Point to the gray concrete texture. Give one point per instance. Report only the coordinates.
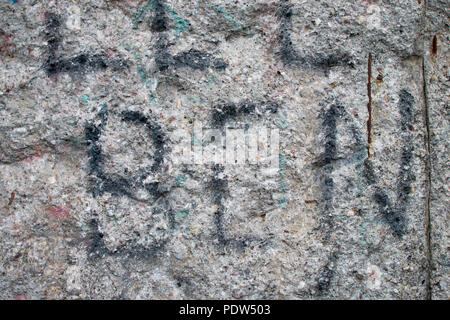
(94, 205)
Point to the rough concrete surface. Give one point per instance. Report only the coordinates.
(95, 97)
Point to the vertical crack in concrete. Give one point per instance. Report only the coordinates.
(428, 184)
(369, 104)
(428, 289)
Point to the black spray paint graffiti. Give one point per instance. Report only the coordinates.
(326, 274)
(132, 249)
(125, 186)
(290, 57)
(80, 63)
(192, 58)
(159, 21)
(228, 111)
(200, 60)
(329, 116)
(120, 185)
(393, 214)
(117, 185)
(222, 113)
(331, 112)
(219, 188)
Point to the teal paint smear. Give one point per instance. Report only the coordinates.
(152, 98)
(181, 24)
(180, 179)
(282, 123)
(141, 71)
(282, 201)
(211, 79)
(227, 17)
(181, 214)
(143, 76)
(362, 228)
(140, 14)
(197, 141)
(85, 98)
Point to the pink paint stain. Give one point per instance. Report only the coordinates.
(38, 153)
(59, 212)
(42, 14)
(20, 297)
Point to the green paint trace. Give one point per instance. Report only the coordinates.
(180, 179)
(141, 70)
(282, 201)
(227, 17)
(197, 141)
(181, 214)
(282, 123)
(211, 79)
(85, 98)
(181, 24)
(152, 98)
(140, 14)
